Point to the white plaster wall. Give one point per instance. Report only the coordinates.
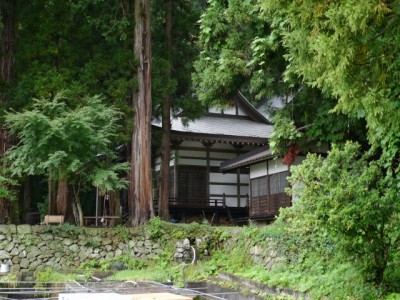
(298, 160)
(232, 202)
(241, 112)
(276, 166)
(258, 170)
(191, 144)
(220, 189)
(248, 148)
(222, 146)
(244, 190)
(230, 111)
(244, 178)
(219, 177)
(214, 110)
(223, 156)
(215, 163)
(157, 166)
(192, 162)
(192, 153)
(243, 202)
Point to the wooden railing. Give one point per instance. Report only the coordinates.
(198, 202)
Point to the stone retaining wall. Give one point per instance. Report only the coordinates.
(26, 247)
(261, 253)
(266, 254)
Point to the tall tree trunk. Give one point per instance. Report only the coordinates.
(163, 210)
(115, 207)
(62, 197)
(7, 46)
(7, 50)
(52, 187)
(140, 197)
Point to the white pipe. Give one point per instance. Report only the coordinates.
(194, 255)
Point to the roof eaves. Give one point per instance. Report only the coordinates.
(252, 110)
(238, 140)
(247, 159)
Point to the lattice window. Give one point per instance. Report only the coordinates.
(192, 183)
(268, 194)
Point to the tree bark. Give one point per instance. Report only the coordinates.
(7, 51)
(163, 209)
(62, 197)
(77, 207)
(52, 187)
(115, 207)
(140, 196)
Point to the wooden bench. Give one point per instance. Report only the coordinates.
(53, 219)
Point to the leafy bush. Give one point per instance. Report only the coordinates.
(350, 200)
(122, 233)
(155, 226)
(65, 229)
(96, 265)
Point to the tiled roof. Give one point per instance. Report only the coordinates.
(225, 126)
(247, 159)
(222, 128)
(248, 127)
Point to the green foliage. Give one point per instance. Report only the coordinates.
(349, 197)
(314, 262)
(349, 51)
(128, 263)
(344, 48)
(159, 228)
(221, 235)
(90, 242)
(43, 207)
(171, 72)
(61, 141)
(31, 240)
(43, 276)
(156, 226)
(96, 265)
(54, 137)
(226, 62)
(153, 273)
(12, 279)
(7, 188)
(65, 229)
(241, 49)
(121, 233)
(107, 176)
(284, 135)
(82, 46)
